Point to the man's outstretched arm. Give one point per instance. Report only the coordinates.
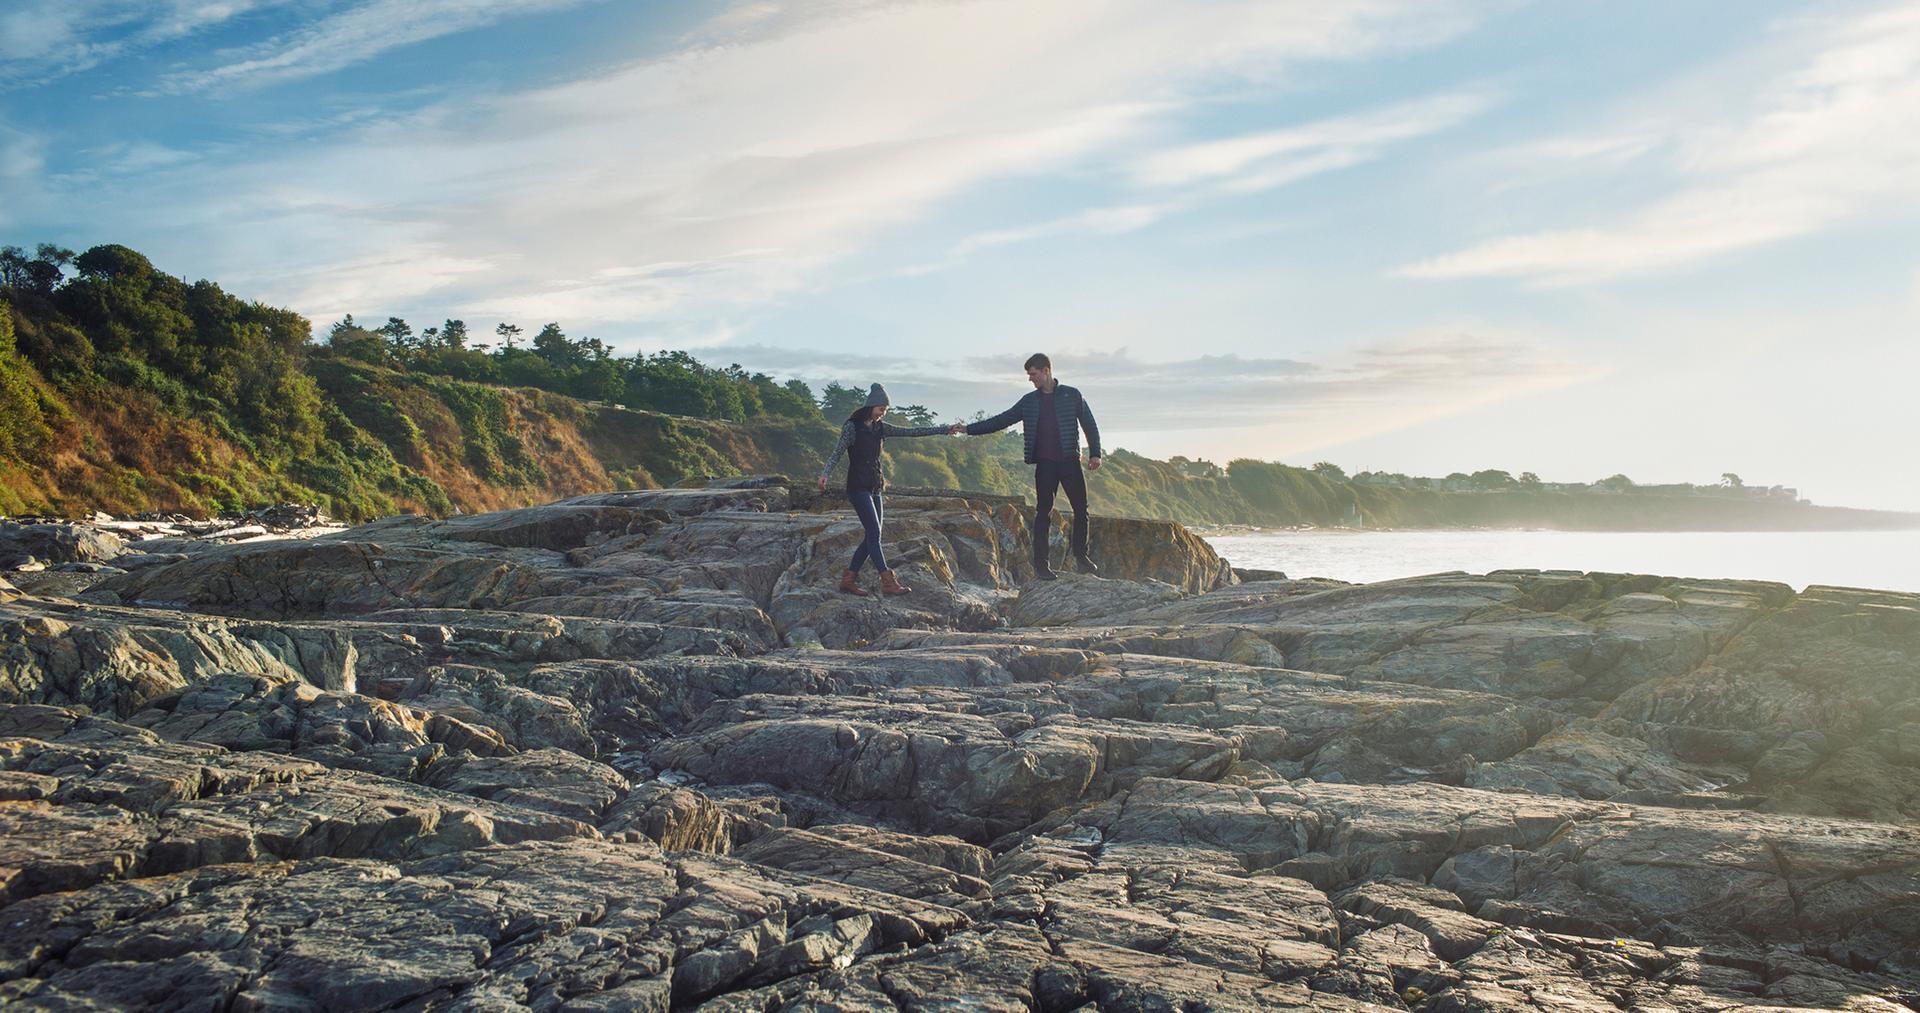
(995, 424)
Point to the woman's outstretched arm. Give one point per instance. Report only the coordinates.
(889, 429)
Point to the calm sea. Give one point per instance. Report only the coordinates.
(1888, 560)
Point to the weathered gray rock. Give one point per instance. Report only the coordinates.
(548, 780)
(1829, 678)
(115, 660)
(844, 858)
(57, 542)
(333, 576)
(1590, 759)
(344, 730)
(934, 763)
(681, 819)
(1075, 600)
(1200, 642)
(107, 801)
(634, 751)
(533, 924)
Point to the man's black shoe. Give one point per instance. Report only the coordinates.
(1044, 572)
(1085, 564)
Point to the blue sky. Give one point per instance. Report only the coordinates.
(1578, 238)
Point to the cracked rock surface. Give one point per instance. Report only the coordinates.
(632, 751)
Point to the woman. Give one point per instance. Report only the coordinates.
(862, 435)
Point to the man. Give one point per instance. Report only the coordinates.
(1050, 418)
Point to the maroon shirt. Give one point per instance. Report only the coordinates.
(1046, 438)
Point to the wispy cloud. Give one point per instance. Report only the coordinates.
(1270, 158)
(1226, 167)
(384, 278)
(137, 156)
(22, 158)
(1102, 221)
(1821, 144)
(764, 149)
(353, 36)
(45, 39)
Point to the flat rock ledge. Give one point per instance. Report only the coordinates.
(632, 751)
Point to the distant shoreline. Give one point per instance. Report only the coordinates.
(1874, 559)
(1232, 530)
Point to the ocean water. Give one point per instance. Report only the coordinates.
(1887, 560)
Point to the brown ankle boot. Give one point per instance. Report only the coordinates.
(848, 585)
(891, 584)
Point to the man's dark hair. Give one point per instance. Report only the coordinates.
(1038, 360)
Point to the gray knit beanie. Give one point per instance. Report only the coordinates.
(877, 396)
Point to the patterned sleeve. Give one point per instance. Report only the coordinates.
(846, 440)
(889, 429)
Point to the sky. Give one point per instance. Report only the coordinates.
(1664, 238)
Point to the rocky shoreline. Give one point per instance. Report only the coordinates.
(631, 751)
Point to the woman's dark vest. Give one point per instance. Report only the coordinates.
(863, 459)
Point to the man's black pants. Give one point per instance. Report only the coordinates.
(1049, 476)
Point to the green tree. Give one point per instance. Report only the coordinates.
(13, 268)
(1330, 470)
(289, 331)
(1529, 479)
(509, 334)
(668, 382)
(601, 380)
(521, 368)
(1615, 483)
(915, 415)
(349, 339)
(399, 335)
(39, 274)
(791, 400)
(552, 345)
(838, 401)
(124, 305)
(1492, 478)
(453, 334)
(1731, 480)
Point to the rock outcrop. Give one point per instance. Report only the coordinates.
(633, 751)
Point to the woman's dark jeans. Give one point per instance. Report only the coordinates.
(867, 504)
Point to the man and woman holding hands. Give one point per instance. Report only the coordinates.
(1051, 417)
